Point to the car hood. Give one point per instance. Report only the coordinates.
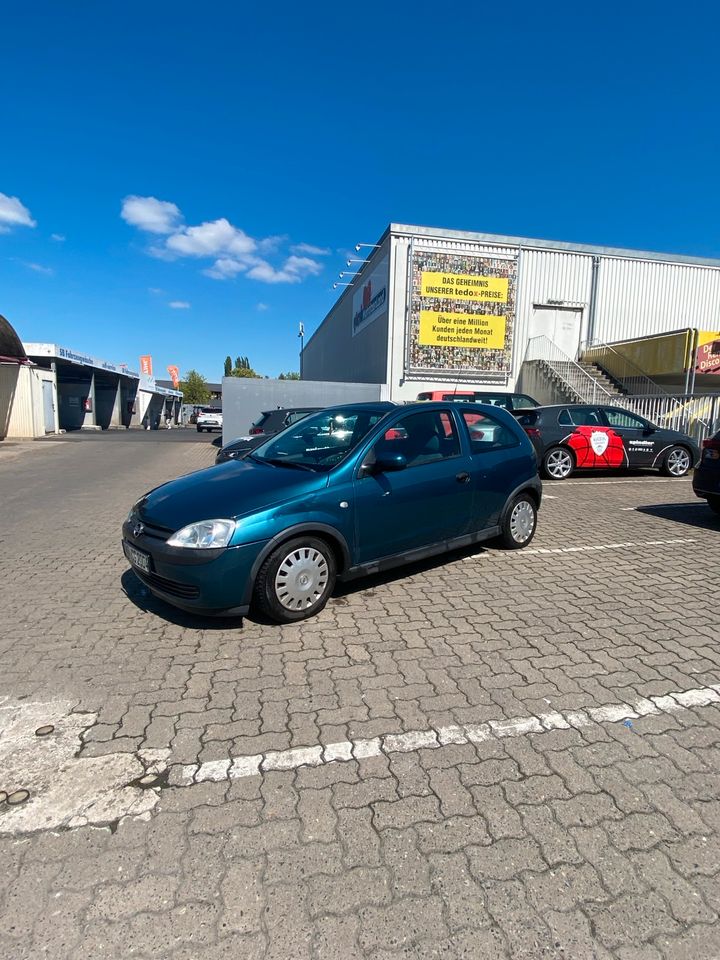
(229, 490)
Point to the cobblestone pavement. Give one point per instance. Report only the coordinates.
(509, 755)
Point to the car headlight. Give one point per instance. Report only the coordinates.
(205, 535)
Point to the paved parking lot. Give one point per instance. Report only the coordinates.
(503, 755)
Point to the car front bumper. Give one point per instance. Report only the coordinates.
(206, 582)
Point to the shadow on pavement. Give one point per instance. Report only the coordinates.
(695, 513)
(136, 591)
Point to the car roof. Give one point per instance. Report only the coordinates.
(579, 406)
(266, 413)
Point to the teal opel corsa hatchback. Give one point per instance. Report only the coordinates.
(350, 490)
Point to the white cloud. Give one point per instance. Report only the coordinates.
(232, 250)
(155, 290)
(262, 307)
(58, 237)
(13, 213)
(150, 214)
(179, 305)
(38, 268)
(209, 239)
(225, 268)
(292, 271)
(311, 250)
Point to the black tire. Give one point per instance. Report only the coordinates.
(677, 462)
(714, 504)
(313, 559)
(199, 429)
(558, 463)
(519, 523)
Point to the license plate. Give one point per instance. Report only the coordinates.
(137, 558)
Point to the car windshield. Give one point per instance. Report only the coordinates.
(319, 441)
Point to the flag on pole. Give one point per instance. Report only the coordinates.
(146, 365)
(174, 375)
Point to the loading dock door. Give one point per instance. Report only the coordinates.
(48, 406)
(561, 325)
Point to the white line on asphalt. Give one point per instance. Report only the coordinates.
(249, 766)
(634, 480)
(546, 551)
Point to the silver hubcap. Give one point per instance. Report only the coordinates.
(301, 579)
(522, 521)
(559, 464)
(678, 462)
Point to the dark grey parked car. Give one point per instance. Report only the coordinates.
(268, 423)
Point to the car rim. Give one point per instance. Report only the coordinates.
(559, 464)
(522, 521)
(301, 579)
(678, 462)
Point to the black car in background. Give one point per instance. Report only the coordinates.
(706, 480)
(573, 437)
(508, 401)
(268, 423)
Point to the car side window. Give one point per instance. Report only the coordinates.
(618, 418)
(421, 438)
(487, 433)
(582, 417)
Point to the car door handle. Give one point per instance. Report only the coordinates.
(462, 477)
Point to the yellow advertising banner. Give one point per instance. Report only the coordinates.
(463, 286)
(469, 330)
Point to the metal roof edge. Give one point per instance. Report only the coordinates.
(403, 229)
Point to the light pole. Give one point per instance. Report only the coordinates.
(301, 334)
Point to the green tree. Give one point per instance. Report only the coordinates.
(244, 372)
(228, 366)
(242, 363)
(291, 375)
(194, 388)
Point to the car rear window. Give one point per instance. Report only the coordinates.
(527, 418)
(211, 410)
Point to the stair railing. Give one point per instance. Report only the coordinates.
(621, 368)
(573, 377)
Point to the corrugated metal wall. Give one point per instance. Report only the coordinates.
(546, 276)
(20, 401)
(637, 298)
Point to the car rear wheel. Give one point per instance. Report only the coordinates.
(199, 429)
(296, 580)
(714, 504)
(677, 462)
(558, 463)
(519, 523)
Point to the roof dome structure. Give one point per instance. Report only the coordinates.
(11, 347)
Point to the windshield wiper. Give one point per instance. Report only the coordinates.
(280, 462)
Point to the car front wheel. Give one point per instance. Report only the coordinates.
(677, 462)
(714, 504)
(558, 463)
(519, 523)
(296, 580)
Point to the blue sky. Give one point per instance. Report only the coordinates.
(260, 142)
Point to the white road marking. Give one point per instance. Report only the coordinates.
(414, 740)
(633, 480)
(590, 548)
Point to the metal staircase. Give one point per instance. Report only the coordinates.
(580, 382)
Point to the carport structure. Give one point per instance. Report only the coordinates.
(92, 394)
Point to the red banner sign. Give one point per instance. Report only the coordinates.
(146, 365)
(174, 375)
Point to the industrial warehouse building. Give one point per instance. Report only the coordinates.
(434, 309)
(46, 388)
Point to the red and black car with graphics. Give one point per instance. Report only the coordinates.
(573, 437)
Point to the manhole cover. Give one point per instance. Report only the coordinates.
(18, 796)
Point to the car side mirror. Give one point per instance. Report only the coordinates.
(390, 463)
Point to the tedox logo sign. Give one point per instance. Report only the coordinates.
(371, 300)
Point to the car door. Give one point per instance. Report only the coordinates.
(427, 502)
(496, 462)
(637, 436)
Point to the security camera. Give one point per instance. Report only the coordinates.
(357, 247)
